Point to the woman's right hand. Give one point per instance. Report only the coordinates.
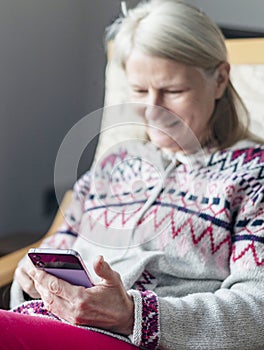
(22, 275)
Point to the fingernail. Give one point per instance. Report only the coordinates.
(100, 259)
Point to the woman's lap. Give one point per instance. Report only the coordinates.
(35, 332)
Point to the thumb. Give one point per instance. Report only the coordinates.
(103, 270)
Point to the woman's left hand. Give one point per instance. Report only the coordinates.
(107, 305)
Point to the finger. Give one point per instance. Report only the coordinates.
(46, 296)
(25, 281)
(47, 283)
(57, 305)
(48, 287)
(103, 270)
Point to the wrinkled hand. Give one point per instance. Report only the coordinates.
(106, 305)
(23, 277)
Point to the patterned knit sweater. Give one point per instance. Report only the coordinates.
(186, 234)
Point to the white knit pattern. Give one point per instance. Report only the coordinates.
(136, 336)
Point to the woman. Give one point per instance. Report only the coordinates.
(193, 276)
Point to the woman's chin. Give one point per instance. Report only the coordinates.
(187, 143)
(164, 142)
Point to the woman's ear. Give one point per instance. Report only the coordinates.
(222, 77)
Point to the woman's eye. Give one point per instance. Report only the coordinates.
(140, 91)
(174, 91)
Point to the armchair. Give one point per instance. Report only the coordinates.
(9, 262)
(247, 59)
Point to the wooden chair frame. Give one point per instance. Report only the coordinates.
(8, 263)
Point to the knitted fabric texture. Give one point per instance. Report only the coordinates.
(195, 261)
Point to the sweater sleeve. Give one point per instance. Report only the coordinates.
(231, 318)
(146, 331)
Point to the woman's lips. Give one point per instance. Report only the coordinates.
(164, 126)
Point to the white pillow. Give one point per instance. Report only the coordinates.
(249, 83)
(116, 122)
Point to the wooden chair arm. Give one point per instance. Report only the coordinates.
(8, 263)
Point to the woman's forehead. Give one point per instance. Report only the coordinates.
(141, 67)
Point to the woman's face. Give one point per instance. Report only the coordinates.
(186, 94)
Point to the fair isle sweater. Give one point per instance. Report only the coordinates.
(187, 237)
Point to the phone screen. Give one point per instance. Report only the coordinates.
(65, 266)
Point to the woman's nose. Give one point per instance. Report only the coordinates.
(152, 113)
(153, 104)
(154, 98)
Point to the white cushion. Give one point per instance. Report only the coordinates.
(249, 83)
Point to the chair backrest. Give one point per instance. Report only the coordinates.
(247, 74)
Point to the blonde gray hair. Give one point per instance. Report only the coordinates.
(175, 30)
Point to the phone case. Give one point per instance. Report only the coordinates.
(64, 264)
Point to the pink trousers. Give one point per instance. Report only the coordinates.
(25, 332)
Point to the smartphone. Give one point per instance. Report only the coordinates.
(65, 264)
